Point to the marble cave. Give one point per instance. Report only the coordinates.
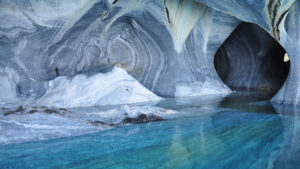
(210, 84)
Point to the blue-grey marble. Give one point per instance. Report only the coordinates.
(168, 46)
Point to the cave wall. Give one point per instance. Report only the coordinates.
(250, 59)
(140, 37)
(281, 19)
(168, 46)
(290, 92)
(269, 14)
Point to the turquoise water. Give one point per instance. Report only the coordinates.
(214, 133)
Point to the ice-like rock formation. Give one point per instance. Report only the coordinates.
(167, 45)
(115, 87)
(20, 124)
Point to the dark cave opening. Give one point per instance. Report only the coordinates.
(251, 60)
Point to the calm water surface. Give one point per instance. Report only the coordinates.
(239, 131)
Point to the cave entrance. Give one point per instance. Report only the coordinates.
(251, 60)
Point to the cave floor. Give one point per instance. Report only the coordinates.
(237, 131)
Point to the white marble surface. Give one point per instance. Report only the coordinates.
(115, 87)
(21, 124)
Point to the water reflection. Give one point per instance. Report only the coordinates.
(178, 154)
(289, 155)
(237, 131)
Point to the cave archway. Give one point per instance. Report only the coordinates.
(251, 60)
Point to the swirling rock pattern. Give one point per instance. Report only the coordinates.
(168, 46)
(281, 19)
(289, 93)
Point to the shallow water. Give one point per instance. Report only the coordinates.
(238, 131)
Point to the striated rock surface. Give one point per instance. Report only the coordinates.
(23, 123)
(168, 46)
(104, 34)
(289, 93)
(281, 19)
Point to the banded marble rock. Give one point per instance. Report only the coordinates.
(168, 46)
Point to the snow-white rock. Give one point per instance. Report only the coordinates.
(116, 87)
(21, 124)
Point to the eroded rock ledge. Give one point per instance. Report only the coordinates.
(23, 123)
